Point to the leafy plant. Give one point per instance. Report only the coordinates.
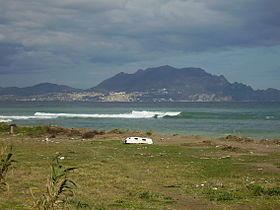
(6, 162)
(59, 188)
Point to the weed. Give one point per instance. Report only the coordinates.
(145, 195)
(256, 189)
(59, 188)
(6, 162)
(222, 195)
(273, 191)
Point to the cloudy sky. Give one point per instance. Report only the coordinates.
(81, 42)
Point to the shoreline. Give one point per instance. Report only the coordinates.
(82, 134)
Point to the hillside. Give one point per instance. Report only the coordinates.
(187, 84)
(43, 88)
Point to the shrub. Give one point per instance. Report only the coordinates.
(149, 133)
(4, 127)
(88, 135)
(92, 133)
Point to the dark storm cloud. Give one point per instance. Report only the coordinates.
(7, 52)
(66, 33)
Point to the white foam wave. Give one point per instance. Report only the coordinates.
(133, 115)
(5, 120)
(25, 117)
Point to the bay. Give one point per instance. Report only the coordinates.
(250, 119)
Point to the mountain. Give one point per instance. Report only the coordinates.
(164, 83)
(184, 84)
(43, 88)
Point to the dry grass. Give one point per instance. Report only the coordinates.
(111, 175)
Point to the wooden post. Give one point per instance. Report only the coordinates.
(12, 128)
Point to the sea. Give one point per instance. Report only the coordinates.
(250, 119)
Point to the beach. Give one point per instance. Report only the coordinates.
(176, 172)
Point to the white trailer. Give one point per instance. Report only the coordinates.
(137, 140)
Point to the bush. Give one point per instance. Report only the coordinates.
(4, 127)
(88, 135)
(149, 133)
(91, 134)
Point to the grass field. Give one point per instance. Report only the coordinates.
(111, 175)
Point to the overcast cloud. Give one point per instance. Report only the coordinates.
(81, 42)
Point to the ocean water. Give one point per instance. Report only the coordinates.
(256, 120)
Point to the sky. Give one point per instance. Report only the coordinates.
(82, 42)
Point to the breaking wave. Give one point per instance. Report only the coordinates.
(46, 115)
(8, 118)
(132, 115)
(5, 120)
(223, 116)
(145, 115)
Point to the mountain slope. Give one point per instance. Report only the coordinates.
(191, 84)
(42, 88)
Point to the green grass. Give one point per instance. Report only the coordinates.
(110, 175)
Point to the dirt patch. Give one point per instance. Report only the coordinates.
(237, 139)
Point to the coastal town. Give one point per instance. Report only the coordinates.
(156, 96)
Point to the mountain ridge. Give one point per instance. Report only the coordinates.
(163, 83)
(41, 88)
(185, 84)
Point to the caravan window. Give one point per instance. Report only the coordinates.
(136, 138)
(144, 139)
